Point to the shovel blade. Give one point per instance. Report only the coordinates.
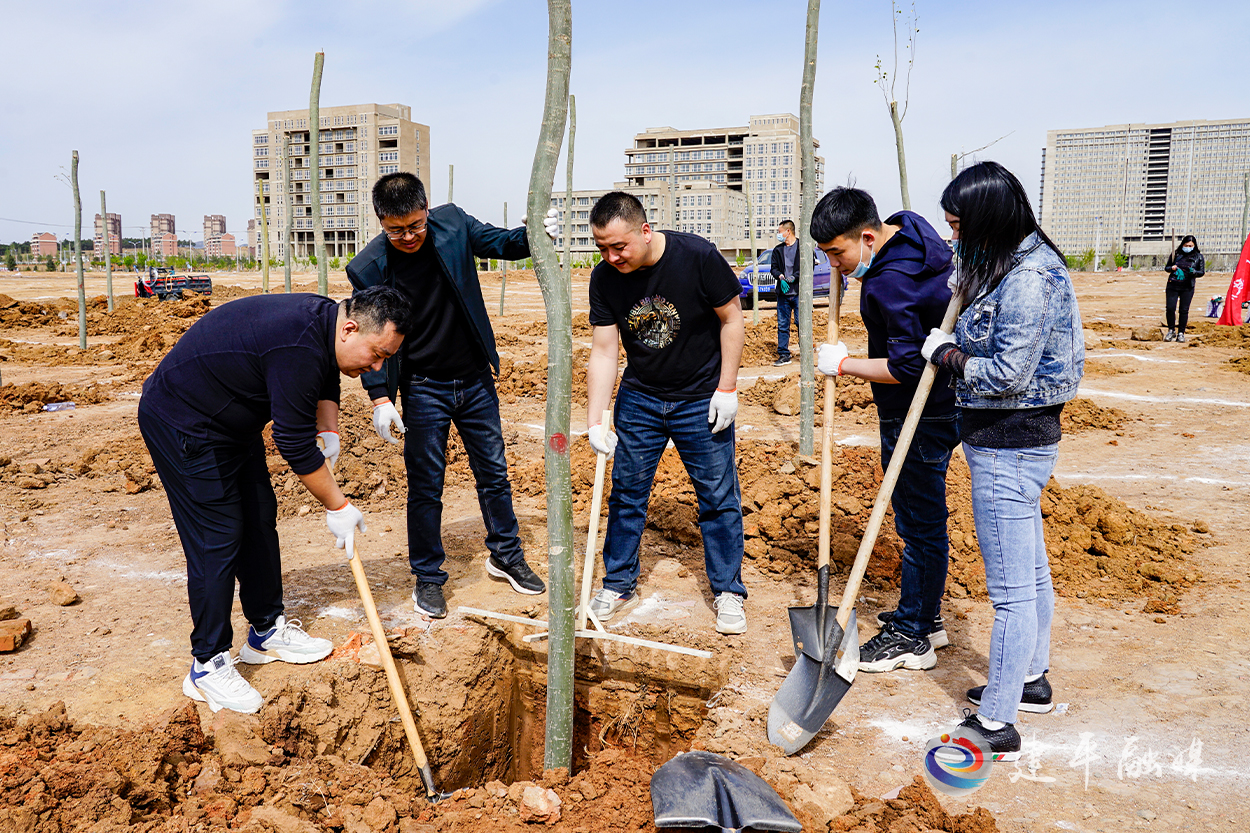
(812, 690)
(701, 789)
(805, 631)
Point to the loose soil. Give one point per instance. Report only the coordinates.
(1143, 524)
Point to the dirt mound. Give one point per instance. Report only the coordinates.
(916, 810)
(782, 395)
(761, 339)
(1083, 414)
(32, 396)
(1217, 335)
(538, 329)
(131, 315)
(528, 377)
(123, 465)
(1241, 364)
(1102, 367)
(14, 313)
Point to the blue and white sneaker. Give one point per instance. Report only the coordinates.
(217, 683)
(285, 641)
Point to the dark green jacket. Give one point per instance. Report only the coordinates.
(458, 239)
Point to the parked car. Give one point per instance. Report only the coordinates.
(768, 289)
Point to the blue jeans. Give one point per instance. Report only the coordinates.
(644, 425)
(1007, 485)
(787, 308)
(920, 515)
(430, 407)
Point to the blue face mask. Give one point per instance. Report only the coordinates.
(862, 269)
(1187, 249)
(781, 238)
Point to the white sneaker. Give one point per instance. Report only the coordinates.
(607, 603)
(730, 617)
(285, 641)
(218, 684)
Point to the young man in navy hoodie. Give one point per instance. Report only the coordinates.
(903, 266)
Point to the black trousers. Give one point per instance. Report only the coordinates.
(1182, 291)
(227, 517)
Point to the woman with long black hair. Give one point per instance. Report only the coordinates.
(1185, 266)
(1017, 355)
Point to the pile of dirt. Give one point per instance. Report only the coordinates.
(32, 396)
(916, 810)
(528, 377)
(1216, 335)
(1102, 367)
(538, 329)
(14, 313)
(1100, 548)
(131, 315)
(123, 465)
(1082, 414)
(782, 395)
(760, 348)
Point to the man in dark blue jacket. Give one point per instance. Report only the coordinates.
(784, 266)
(267, 357)
(444, 373)
(904, 266)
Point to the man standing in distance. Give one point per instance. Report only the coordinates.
(255, 359)
(904, 266)
(784, 266)
(444, 372)
(673, 301)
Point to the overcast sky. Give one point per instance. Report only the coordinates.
(159, 98)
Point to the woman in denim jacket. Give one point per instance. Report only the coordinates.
(1017, 355)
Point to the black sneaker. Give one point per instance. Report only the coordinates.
(937, 636)
(1035, 699)
(428, 600)
(890, 649)
(1170, 335)
(781, 362)
(519, 575)
(1004, 743)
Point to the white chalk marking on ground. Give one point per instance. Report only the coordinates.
(335, 612)
(763, 375)
(128, 571)
(856, 439)
(1137, 397)
(1135, 356)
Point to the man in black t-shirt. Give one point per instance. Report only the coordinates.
(672, 300)
(444, 374)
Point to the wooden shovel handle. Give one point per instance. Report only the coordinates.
(826, 450)
(388, 662)
(891, 474)
(592, 537)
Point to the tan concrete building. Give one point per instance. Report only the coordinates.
(162, 224)
(764, 153)
(214, 225)
(357, 144)
(43, 243)
(220, 245)
(165, 244)
(115, 234)
(1133, 188)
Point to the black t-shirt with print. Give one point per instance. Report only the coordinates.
(666, 317)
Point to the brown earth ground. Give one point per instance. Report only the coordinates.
(1144, 526)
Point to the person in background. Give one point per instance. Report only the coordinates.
(1017, 355)
(1185, 266)
(784, 266)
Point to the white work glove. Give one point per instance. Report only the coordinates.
(935, 340)
(722, 410)
(829, 358)
(343, 524)
(551, 222)
(386, 417)
(328, 442)
(599, 442)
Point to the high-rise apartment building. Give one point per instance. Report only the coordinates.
(214, 224)
(115, 234)
(357, 144)
(765, 153)
(162, 224)
(1132, 188)
(220, 245)
(43, 243)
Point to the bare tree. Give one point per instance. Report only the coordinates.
(503, 266)
(451, 183)
(807, 369)
(82, 289)
(568, 190)
(287, 210)
(956, 158)
(264, 235)
(887, 81)
(557, 297)
(314, 137)
(108, 253)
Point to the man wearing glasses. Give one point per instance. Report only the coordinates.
(444, 372)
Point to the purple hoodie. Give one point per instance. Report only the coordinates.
(903, 296)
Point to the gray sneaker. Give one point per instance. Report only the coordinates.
(730, 617)
(607, 603)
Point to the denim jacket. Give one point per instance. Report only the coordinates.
(1023, 337)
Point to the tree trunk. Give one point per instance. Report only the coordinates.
(902, 157)
(755, 260)
(82, 290)
(288, 210)
(954, 165)
(503, 266)
(451, 182)
(264, 237)
(807, 356)
(568, 191)
(557, 297)
(108, 253)
(314, 137)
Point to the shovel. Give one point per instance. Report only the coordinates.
(701, 789)
(827, 647)
(432, 793)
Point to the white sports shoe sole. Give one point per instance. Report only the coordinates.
(189, 689)
(254, 657)
(498, 573)
(912, 662)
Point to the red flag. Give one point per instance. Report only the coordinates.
(1238, 289)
